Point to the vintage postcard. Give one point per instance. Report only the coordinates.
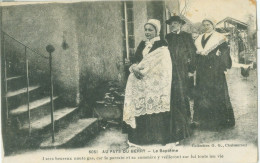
(129, 81)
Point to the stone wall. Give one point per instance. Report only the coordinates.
(89, 38)
(36, 26)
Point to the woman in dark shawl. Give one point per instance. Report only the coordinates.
(212, 106)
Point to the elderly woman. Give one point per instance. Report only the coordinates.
(148, 90)
(212, 106)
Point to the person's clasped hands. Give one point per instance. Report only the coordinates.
(137, 71)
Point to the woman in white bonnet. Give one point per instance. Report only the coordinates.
(147, 98)
(212, 106)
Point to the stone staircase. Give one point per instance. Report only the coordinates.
(23, 133)
(70, 130)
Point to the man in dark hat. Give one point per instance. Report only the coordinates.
(183, 51)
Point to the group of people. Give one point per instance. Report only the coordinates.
(157, 101)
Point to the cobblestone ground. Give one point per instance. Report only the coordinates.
(243, 95)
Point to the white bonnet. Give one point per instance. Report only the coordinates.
(156, 23)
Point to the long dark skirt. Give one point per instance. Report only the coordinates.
(180, 108)
(161, 128)
(150, 129)
(212, 106)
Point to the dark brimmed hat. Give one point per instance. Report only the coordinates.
(175, 18)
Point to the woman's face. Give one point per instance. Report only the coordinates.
(208, 27)
(149, 31)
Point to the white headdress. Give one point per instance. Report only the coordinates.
(156, 23)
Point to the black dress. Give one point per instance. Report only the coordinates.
(212, 106)
(160, 128)
(150, 128)
(183, 53)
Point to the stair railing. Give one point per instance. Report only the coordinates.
(50, 49)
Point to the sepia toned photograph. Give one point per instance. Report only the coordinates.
(129, 81)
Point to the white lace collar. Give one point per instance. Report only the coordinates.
(208, 34)
(215, 40)
(149, 44)
(157, 38)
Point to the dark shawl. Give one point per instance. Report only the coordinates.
(212, 106)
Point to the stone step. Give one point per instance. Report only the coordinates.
(21, 98)
(16, 82)
(43, 122)
(21, 91)
(33, 105)
(14, 77)
(38, 109)
(73, 133)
